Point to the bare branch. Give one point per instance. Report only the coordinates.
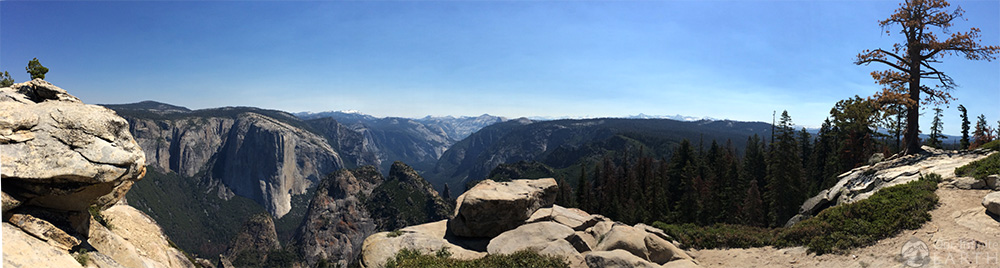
(867, 61)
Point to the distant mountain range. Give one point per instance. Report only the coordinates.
(567, 143)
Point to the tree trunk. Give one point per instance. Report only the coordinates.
(912, 135)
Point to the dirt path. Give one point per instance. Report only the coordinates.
(960, 234)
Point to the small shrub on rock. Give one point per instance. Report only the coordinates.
(413, 258)
(834, 230)
(981, 168)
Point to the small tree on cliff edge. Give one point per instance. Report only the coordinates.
(5, 80)
(36, 70)
(911, 61)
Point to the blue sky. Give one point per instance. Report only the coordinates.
(723, 59)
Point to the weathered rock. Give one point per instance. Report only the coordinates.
(684, 263)
(257, 236)
(969, 183)
(9, 202)
(875, 158)
(615, 258)
(582, 241)
(600, 229)
(426, 238)
(44, 231)
(862, 182)
(21, 249)
(491, 208)
(533, 236)
(653, 230)
(662, 251)
(139, 230)
(574, 218)
(60, 153)
(405, 198)
(336, 222)
(626, 238)
(992, 203)
(993, 182)
(105, 241)
(204, 263)
(100, 260)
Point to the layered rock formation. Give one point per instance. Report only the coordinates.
(503, 218)
(66, 167)
(862, 182)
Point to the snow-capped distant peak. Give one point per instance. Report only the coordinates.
(677, 117)
(349, 112)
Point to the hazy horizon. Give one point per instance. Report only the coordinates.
(737, 60)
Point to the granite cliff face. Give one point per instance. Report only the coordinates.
(394, 139)
(264, 155)
(66, 169)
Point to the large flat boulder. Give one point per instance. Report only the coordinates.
(491, 208)
(536, 237)
(426, 238)
(140, 230)
(21, 249)
(626, 238)
(60, 153)
(616, 259)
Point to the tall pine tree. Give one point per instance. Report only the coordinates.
(784, 174)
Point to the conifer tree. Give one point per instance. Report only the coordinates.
(753, 212)
(936, 126)
(911, 60)
(583, 189)
(5, 80)
(982, 134)
(784, 174)
(36, 70)
(964, 142)
(446, 194)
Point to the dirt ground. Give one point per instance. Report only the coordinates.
(960, 234)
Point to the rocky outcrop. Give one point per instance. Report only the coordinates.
(862, 182)
(992, 203)
(66, 168)
(405, 199)
(616, 258)
(579, 238)
(255, 240)
(491, 208)
(60, 153)
(338, 221)
(426, 238)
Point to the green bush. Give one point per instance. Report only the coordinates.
(395, 233)
(834, 230)
(96, 213)
(718, 235)
(981, 168)
(524, 258)
(82, 257)
(993, 145)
